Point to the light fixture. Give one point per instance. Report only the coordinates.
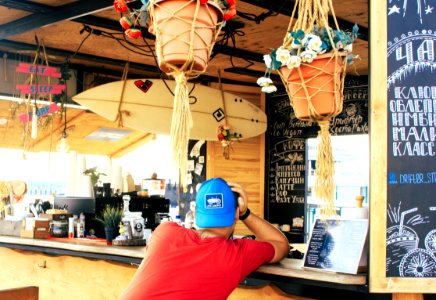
(62, 145)
(108, 134)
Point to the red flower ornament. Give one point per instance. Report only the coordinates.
(126, 23)
(120, 6)
(133, 33)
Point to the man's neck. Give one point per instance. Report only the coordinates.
(214, 232)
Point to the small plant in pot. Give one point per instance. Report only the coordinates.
(111, 218)
(94, 175)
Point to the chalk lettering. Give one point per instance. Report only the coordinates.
(416, 178)
(413, 149)
(417, 105)
(431, 177)
(418, 134)
(423, 52)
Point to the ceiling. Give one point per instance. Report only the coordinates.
(88, 35)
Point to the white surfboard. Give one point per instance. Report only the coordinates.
(149, 107)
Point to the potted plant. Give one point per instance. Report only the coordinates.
(186, 31)
(94, 175)
(111, 218)
(312, 62)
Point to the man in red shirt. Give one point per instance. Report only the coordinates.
(206, 263)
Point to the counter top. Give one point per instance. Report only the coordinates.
(134, 254)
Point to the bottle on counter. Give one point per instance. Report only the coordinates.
(71, 227)
(81, 226)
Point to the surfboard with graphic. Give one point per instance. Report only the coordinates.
(147, 105)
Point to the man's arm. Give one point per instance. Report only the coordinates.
(262, 229)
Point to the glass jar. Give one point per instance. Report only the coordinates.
(59, 228)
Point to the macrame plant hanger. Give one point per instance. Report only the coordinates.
(183, 47)
(226, 147)
(303, 86)
(122, 112)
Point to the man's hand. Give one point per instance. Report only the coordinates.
(242, 200)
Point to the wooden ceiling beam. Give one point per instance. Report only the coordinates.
(17, 46)
(28, 6)
(64, 12)
(286, 7)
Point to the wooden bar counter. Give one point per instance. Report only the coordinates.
(87, 269)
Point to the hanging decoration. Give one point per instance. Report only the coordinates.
(186, 31)
(38, 89)
(225, 136)
(312, 64)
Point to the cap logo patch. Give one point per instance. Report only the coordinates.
(213, 201)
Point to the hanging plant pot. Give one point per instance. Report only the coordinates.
(312, 63)
(185, 33)
(315, 89)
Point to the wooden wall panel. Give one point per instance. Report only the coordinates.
(247, 159)
(71, 278)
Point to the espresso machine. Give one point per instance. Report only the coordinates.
(154, 209)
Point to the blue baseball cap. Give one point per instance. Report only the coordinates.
(215, 204)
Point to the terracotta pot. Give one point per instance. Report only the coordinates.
(322, 79)
(174, 20)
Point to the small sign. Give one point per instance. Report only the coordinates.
(336, 245)
(38, 70)
(52, 89)
(42, 111)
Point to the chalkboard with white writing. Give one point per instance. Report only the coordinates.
(354, 116)
(286, 147)
(285, 161)
(411, 132)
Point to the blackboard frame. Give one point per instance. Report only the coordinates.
(379, 282)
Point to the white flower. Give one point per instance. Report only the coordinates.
(349, 48)
(294, 62)
(264, 81)
(268, 60)
(307, 38)
(314, 44)
(308, 56)
(283, 55)
(269, 89)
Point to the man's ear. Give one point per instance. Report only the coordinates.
(237, 214)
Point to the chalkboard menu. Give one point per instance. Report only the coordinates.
(411, 132)
(336, 245)
(354, 116)
(286, 147)
(286, 161)
(196, 175)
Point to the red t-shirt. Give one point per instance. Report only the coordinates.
(178, 264)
